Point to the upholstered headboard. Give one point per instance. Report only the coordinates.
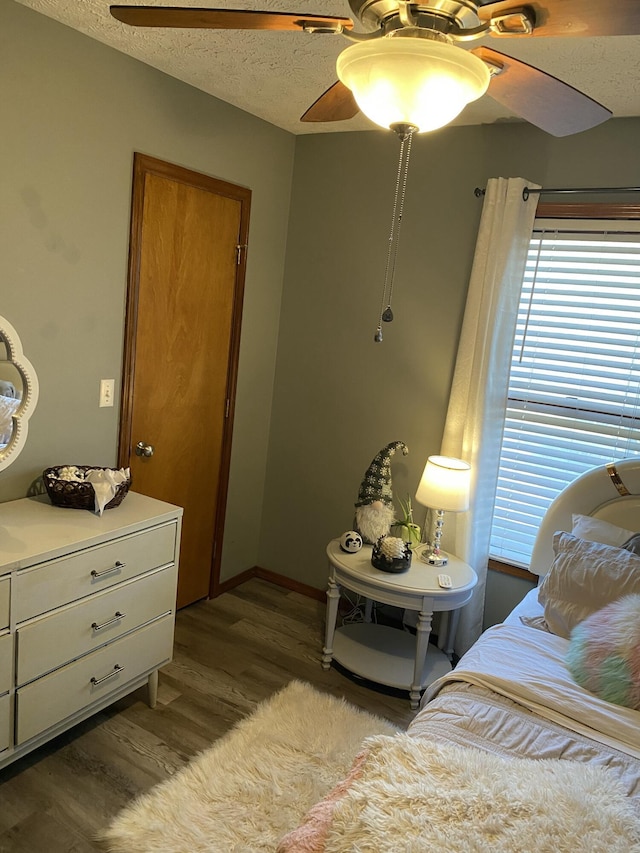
(609, 492)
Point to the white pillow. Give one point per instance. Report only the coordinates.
(584, 577)
(595, 530)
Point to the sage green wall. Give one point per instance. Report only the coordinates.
(73, 113)
(339, 397)
(502, 594)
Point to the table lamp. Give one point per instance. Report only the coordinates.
(444, 487)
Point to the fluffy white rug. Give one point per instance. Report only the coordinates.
(408, 795)
(255, 784)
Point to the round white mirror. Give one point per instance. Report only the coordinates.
(18, 394)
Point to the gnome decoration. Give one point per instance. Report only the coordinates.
(374, 507)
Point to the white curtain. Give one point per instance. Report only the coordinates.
(475, 417)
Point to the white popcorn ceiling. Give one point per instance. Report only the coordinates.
(277, 76)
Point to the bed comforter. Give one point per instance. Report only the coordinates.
(512, 695)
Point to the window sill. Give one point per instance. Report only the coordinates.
(514, 571)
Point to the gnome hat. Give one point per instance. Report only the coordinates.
(376, 485)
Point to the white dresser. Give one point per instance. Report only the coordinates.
(87, 611)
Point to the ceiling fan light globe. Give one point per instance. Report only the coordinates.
(413, 81)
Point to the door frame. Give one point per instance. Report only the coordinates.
(144, 165)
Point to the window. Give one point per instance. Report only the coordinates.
(574, 387)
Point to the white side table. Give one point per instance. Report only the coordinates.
(381, 653)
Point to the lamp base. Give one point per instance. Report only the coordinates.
(434, 558)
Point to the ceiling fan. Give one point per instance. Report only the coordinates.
(397, 44)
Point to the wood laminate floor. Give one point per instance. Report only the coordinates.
(230, 654)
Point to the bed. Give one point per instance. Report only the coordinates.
(519, 746)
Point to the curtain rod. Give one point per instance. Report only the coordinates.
(526, 192)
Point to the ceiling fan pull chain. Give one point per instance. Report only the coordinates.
(400, 210)
(386, 314)
(387, 269)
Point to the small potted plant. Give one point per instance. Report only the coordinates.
(404, 527)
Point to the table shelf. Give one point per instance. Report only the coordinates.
(385, 655)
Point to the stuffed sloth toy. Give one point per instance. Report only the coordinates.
(374, 508)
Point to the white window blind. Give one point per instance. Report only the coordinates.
(574, 388)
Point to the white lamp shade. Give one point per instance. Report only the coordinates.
(445, 484)
(415, 81)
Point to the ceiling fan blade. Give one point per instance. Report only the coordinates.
(541, 99)
(336, 104)
(585, 18)
(224, 19)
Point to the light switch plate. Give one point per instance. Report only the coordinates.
(107, 391)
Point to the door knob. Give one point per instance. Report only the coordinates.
(143, 449)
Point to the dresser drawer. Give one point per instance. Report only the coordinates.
(5, 586)
(68, 690)
(5, 724)
(6, 660)
(62, 636)
(58, 582)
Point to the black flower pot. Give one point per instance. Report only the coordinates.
(385, 563)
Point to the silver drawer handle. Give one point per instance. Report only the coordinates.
(115, 618)
(114, 568)
(116, 669)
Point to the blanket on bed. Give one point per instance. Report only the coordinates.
(466, 715)
(528, 666)
(407, 795)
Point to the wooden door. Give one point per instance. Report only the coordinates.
(186, 277)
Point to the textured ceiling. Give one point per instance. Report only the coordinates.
(276, 76)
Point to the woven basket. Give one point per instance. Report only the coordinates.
(78, 495)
